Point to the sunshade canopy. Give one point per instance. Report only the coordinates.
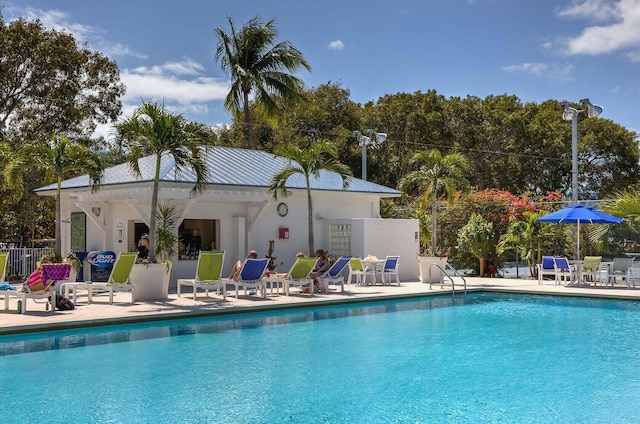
(580, 214)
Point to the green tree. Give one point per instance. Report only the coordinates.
(478, 238)
(526, 237)
(152, 130)
(255, 62)
(437, 176)
(57, 159)
(50, 85)
(308, 162)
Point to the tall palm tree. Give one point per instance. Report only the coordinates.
(152, 130)
(255, 63)
(437, 176)
(57, 158)
(309, 163)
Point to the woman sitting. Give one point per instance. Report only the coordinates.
(321, 266)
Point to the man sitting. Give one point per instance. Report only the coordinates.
(237, 267)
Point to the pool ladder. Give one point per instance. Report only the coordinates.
(449, 277)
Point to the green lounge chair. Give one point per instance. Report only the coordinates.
(118, 279)
(208, 274)
(298, 275)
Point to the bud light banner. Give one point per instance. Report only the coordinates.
(101, 262)
(102, 258)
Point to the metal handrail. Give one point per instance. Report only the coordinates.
(444, 274)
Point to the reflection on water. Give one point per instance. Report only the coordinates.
(26, 343)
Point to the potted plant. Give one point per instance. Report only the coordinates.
(151, 279)
(431, 266)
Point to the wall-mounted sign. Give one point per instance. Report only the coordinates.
(120, 232)
(101, 262)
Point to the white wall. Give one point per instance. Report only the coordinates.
(385, 237)
(372, 235)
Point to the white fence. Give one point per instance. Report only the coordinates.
(22, 260)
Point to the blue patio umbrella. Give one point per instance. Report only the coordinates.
(580, 214)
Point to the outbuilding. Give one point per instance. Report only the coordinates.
(236, 212)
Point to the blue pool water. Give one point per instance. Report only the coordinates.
(483, 358)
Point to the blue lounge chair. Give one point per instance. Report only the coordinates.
(251, 276)
(334, 274)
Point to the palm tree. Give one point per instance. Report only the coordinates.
(255, 63)
(526, 237)
(309, 163)
(152, 130)
(57, 158)
(437, 176)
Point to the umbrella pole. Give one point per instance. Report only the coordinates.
(578, 243)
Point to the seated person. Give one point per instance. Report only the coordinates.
(321, 266)
(237, 267)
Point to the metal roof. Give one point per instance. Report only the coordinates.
(227, 167)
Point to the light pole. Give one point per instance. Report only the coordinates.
(375, 140)
(571, 114)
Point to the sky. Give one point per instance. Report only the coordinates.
(536, 50)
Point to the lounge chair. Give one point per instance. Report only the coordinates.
(298, 275)
(118, 279)
(250, 276)
(208, 274)
(390, 269)
(41, 285)
(334, 274)
(4, 261)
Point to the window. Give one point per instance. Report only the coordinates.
(340, 239)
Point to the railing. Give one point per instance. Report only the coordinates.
(445, 275)
(22, 260)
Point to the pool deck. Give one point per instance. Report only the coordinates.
(122, 311)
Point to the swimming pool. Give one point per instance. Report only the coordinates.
(483, 358)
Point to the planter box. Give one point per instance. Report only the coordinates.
(151, 281)
(431, 274)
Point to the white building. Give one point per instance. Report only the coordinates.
(235, 213)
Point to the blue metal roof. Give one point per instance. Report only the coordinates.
(227, 167)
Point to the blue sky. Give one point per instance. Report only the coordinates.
(534, 49)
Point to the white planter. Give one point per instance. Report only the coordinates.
(431, 274)
(150, 281)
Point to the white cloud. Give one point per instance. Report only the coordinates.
(157, 83)
(553, 71)
(336, 45)
(527, 68)
(94, 37)
(633, 56)
(619, 31)
(598, 10)
(186, 67)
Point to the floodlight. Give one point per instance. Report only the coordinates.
(570, 113)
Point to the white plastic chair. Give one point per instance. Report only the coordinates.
(390, 269)
(357, 269)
